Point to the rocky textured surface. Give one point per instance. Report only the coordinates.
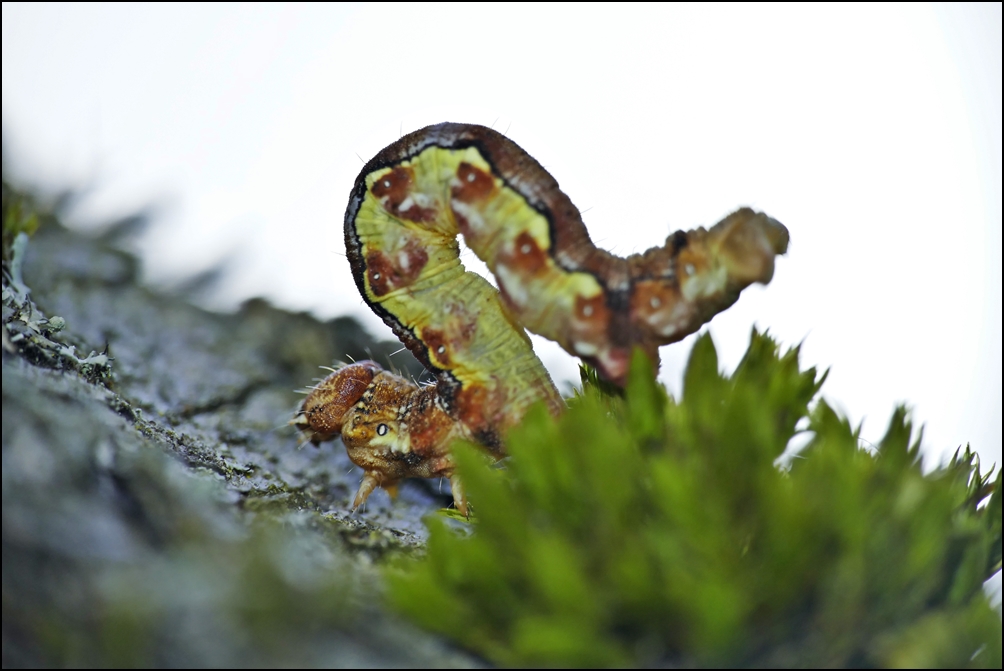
(157, 509)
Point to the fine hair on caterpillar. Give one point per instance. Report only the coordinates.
(405, 211)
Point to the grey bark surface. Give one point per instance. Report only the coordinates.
(157, 509)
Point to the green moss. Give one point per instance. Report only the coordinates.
(645, 530)
(19, 216)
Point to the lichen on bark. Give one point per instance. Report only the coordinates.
(156, 508)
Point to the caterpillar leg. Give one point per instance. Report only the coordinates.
(371, 480)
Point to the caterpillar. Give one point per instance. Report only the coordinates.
(405, 211)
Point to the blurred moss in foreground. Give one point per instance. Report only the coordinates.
(19, 216)
(651, 531)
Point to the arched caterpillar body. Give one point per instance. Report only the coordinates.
(404, 214)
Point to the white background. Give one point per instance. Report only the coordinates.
(873, 133)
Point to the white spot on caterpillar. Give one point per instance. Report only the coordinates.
(475, 221)
(565, 260)
(526, 248)
(471, 177)
(402, 445)
(585, 349)
(376, 276)
(386, 184)
(405, 204)
(441, 349)
(705, 285)
(403, 260)
(587, 311)
(668, 330)
(398, 442)
(654, 302)
(671, 319)
(689, 269)
(514, 289)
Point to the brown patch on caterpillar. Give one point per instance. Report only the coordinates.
(438, 348)
(380, 273)
(472, 184)
(428, 425)
(588, 330)
(459, 327)
(418, 214)
(386, 273)
(479, 410)
(656, 307)
(592, 311)
(691, 261)
(395, 190)
(517, 265)
(527, 256)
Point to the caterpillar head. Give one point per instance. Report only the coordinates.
(391, 428)
(324, 411)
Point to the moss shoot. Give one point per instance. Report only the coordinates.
(646, 530)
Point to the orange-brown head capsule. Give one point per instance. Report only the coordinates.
(323, 411)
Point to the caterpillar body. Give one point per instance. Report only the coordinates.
(405, 211)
